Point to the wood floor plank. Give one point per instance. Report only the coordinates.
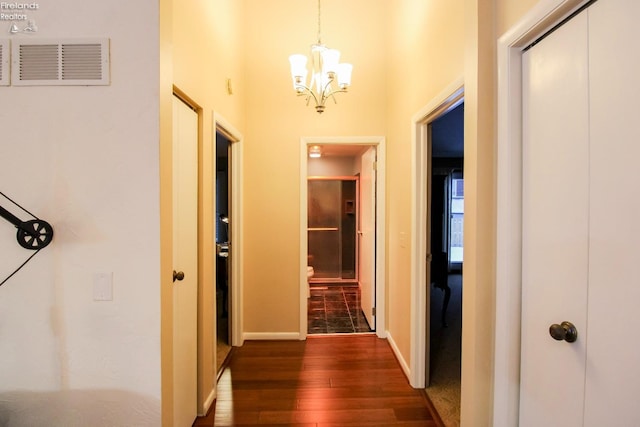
(324, 416)
(335, 381)
(360, 403)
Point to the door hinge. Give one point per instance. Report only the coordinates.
(375, 165)
(373, 311)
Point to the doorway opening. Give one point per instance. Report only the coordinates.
(444, 295)
(223, 242)
(227, 160)
(342, 235)
(438, 165)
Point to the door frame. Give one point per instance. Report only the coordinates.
(545, 15)
(381, 255)
(223, 126)
(448, 99)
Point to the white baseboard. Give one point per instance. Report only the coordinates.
(271, 336)
(403, 363)
(208, 402)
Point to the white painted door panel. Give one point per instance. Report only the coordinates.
(581, 203)
(185, 292)
(367, 234)
(613, 361)
(555, 225)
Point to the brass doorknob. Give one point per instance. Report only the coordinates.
(565, 331)
(178, 275)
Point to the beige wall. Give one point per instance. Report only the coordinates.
(479, 223)
(202, 49)
(425, 56)
(508, 12)
(277, 119)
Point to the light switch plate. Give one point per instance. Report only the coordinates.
(403, 239)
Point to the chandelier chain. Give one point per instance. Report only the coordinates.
(319, 34)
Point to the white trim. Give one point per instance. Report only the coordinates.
(542, 17)
(380, 143)
(443, 102)
(209, 401)
(398, 354)
(236, 286)
(271, 336)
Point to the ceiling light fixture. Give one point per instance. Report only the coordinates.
(328, 76)
(315, 151)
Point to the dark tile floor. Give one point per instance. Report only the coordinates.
(335, 309)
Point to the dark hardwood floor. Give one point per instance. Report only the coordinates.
(325, 381)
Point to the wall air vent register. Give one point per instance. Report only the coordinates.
(4, 62)
(69, 62)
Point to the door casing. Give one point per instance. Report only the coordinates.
(379, 143)
(448, 99)
(235, 292)
(543, 16)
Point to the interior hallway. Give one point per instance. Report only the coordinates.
(321, 382)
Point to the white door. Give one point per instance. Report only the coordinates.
(367, 233)
(555, 225)
(613, 356)
(185, 293)
(581, 201)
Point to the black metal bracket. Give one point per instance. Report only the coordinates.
(33, 234)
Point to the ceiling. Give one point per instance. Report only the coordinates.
(447, 134)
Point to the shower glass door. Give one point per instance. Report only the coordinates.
(332, 228)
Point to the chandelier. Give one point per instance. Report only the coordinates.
(328, 76)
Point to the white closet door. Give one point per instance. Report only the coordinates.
(555, 225)
(613, 356)
(581, 201)
(185, 259)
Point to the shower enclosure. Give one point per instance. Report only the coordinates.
(331, 227)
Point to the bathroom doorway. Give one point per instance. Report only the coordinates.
(342, 198)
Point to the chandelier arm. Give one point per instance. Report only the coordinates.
(329, 92)
(332, 93)
(327, 86)
(309, 93)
